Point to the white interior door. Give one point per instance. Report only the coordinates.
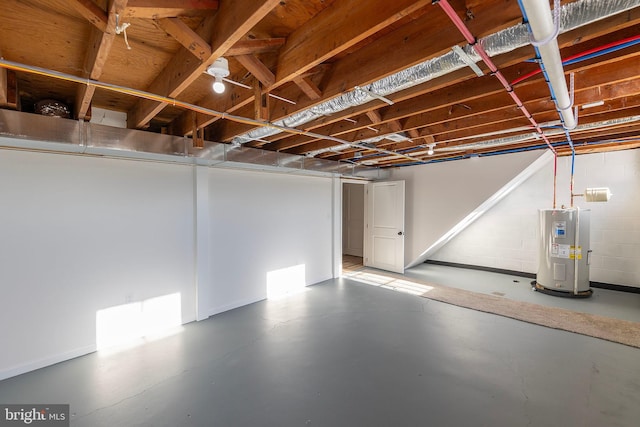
(384, 236)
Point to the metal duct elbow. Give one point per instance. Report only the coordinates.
(544, 32)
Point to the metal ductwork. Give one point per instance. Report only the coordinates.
(52, 134)
(509, 140)
(573, 15)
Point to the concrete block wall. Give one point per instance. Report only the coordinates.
(615, 225)
(507, 236)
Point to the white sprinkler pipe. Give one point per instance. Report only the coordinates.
(543, 29)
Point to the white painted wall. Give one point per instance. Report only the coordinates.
(439, 196)
(264, 222)
(506, 236)
(82, 234)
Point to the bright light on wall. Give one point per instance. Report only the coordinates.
(285, 282)
(137, 322)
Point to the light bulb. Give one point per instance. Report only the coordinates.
(218, 86)
(430, 151)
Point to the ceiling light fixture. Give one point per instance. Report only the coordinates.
(430, 151)
(219, 70)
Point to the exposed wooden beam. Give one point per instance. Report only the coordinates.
(374, 116)
(322, 37)
(395, 126)
(92, 12)
(414, 134)
(336, 29)
(261, 103)
(156, 9)
(309, 88)
(184, 35)
(594, 85)
(253, 47)
(198, 135)
(414, 37)
(483, 94)
(258, 69)
(415, 42)
(233, 20)
(96, 57)
(9, 89)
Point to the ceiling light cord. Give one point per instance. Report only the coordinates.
(122, 29)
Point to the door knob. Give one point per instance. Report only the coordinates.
(400, 233)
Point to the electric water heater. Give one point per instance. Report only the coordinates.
(564, 252)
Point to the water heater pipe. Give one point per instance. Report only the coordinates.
(587, 54)
(453, 16)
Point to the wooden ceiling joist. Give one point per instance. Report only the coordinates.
(92, 12)
(256, 46)
(305, 49)
(227, 27)
(258, 69)
(156, 9)
(96, 56)
(422, 39)
(318, 39)
(309, 52)
(184, 35)
(309, 88)
(488, 95)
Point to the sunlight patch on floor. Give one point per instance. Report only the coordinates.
(394, 284)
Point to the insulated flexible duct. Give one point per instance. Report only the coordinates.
(573, 15)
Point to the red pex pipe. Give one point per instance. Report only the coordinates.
(455, 19)
(579, 55)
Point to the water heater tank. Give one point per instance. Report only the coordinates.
(564, 252)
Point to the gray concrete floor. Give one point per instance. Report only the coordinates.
(603, 302)
(348, 354)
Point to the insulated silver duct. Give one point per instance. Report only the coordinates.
(572, 16)
(532, 135)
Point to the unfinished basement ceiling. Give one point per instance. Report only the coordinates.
(299, 64)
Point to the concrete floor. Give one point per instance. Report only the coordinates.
(348, 354)
(603, 302)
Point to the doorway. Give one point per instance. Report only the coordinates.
(353, 220)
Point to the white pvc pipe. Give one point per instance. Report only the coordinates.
(542, 27)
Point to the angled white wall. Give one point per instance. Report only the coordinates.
(439, 196)
(507, 236)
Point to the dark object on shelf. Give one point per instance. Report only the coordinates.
(52, 108)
